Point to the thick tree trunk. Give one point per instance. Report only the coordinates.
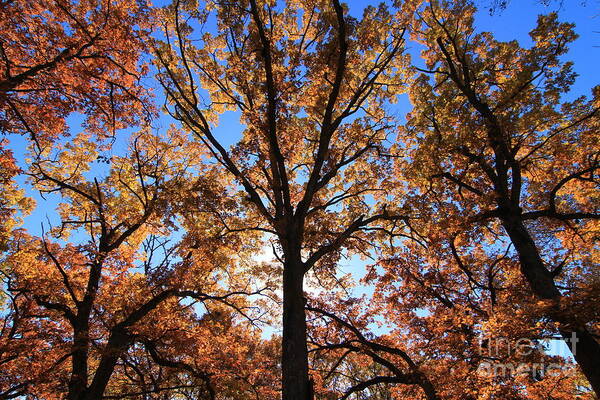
(429, 389)
(532, 265)
(118, 343)
(78, 385)
(294, 357)
(585, 348)
(79, 362)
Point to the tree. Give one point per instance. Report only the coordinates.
(497, 147)
(481, 218)
(98, 293)
(311, 86)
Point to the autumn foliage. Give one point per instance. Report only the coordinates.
(151, 249)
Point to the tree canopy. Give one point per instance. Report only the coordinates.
(188, 257)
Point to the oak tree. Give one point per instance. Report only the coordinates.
(104, 279)
(310, 85)
(497, 146)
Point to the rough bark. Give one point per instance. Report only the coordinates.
(296, 384)
(79, 363)
(118, 343)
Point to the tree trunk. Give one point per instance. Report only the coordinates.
(428, 388)
(294, 357)
(118, 343)
(585, 348)
(79, 362)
